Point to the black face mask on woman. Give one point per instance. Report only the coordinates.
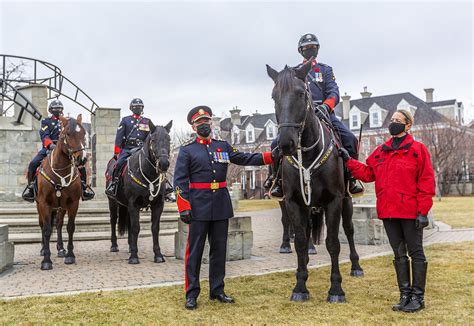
(204, 130)
(396, 128)
(308, 53)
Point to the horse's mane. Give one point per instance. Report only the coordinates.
(286, 80)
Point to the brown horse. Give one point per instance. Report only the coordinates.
(59, 189)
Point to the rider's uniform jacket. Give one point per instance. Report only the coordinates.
(200, 177)
(322, 84)
(50, 129)
(132, 132)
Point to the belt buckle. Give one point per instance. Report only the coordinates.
(214, 185)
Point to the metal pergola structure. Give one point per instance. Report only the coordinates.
(37, 72)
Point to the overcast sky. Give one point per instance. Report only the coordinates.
(179, 55)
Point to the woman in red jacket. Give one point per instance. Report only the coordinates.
(404, 186)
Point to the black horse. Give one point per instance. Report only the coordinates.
(142, 185)
(289, 232)
(313, 176)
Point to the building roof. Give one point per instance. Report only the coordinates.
(441, 103)
(257, 120)
(424, 112)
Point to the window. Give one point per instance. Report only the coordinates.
(270, 131)
(215, 133)
(355, 120)
(250, 134)
(378, 141)
(375, 119)
(366, 142)
(252, 179)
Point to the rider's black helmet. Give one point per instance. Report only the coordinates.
(136, 105)
(56, 107)
(307, 39)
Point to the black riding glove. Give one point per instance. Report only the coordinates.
(344, 154)
(186, 216)
(323, 111)
(51, 146)
(421, 221)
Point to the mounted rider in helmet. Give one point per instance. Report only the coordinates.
(49, 133)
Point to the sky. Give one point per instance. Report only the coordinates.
(178, 55)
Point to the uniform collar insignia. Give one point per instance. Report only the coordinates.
(204, 141)
(136, 116)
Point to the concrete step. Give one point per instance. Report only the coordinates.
(18, 238)
(82, 216)
(21, 211)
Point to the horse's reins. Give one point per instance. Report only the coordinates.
(161, 174)
(305, 173)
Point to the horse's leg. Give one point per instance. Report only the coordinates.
(71, 227)
(134, 215)
(299, 216)
(333, 219)
(42, 238)
(285, 247)
(45, 215)
(156, 212)
(311, 247)
(113, 209)
(347, 211)
(59, 228)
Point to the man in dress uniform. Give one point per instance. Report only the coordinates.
(204, 201)
(49, 134)
(131, 134)
(325, 94)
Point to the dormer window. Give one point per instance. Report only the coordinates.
(250, 133)
(404, 105)
(354, 118)
(355, 121)
(375, 118)
(270, 130)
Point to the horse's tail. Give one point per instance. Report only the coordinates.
(123, 220)
(317, 224)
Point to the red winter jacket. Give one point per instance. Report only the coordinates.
(404, 178)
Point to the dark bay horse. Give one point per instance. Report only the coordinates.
(313, 176)
(59, 189)
(142, 185)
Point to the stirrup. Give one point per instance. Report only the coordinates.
(358, 194)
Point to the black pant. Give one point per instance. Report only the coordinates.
(198, 232)
(35, 163)
(403, 235)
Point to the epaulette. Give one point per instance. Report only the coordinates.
(324, 65)
(191, 140)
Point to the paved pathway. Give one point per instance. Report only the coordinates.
(99, 269)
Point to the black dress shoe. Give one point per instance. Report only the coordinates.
(191, 304)
(222, 298)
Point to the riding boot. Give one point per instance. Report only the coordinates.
(87, 192)
(268, 183)
(29, 192)
(111, 190)
(402, 268)
(276, 191)
(355, 187)
(417, 298)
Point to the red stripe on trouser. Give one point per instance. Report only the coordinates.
(186, 261)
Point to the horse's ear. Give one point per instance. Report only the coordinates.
(302, 71)
(168, 126)
(79, 119)
(63, 120)
(272, 73)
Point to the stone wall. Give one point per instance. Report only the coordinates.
(368, 229)
(7, 250)
(239, 240)
(104, 128)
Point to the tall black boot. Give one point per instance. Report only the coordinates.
(402, 268)
(29, 192)
(417, 298)
(87, 192)
(276, 191)
(111, 190)
(355, 187)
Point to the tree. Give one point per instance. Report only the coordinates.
(11, 73)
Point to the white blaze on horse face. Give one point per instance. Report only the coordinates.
(78, 129)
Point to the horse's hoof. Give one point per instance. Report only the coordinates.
(312, 251)
(133, 260)
(357, 272)
(62, 253)
(42, 252)
(46, 266)
(114, 249)
(159, 259)
(285, 250)
(336, 298)
(70, 260)
(299, 297)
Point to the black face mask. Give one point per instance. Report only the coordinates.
(137, 110)
(396, 128)
(204, 130)
(308, 53)
(56, 113)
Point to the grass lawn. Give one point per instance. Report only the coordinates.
(455, 211)
(265, 299)
(247, 205)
